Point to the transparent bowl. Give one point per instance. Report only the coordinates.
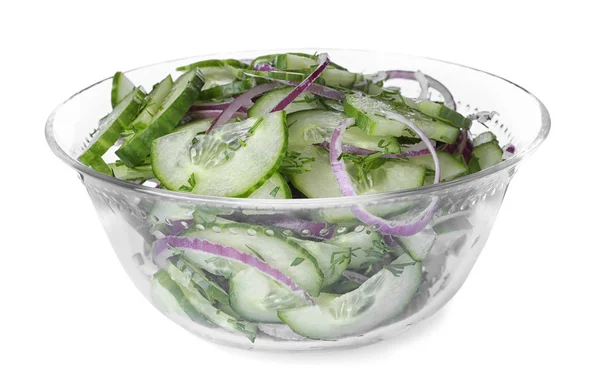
(129, 216)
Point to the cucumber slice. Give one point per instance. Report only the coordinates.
(274, 188)
(217, 316)
(484, 137)
(153, 102)
(292, 61)
(196, 126)
(332, 259)
(419, 245)
(370, 112)
(366, 246)
(316, 126)
(450, 166)
(268, 101)
(392, 175)
(485, 156)
(270, 75)
(98, 164)
(123, 172)
(380, 298)
(286, 256)
(226, 90)
(184, 92)
(190, 276)
(233, 160)
(121, 87)
(440, 112)
(113, 125)
(168, 297)
(216, 72)
(258, 298)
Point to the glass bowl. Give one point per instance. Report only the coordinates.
(136, 216)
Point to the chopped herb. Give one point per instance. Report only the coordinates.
(297, 261)
(295, 163)
(191, 182)
(398, 268)
(242, 142)
(273, 193)
(256, 253)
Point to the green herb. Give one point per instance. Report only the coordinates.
(191, 182)
(365, 164)
(174, 250)
(295, 163)
(297, 261)
(242, 142)
(273, 193)
(398, 268)
(256, 253)
(378, 249)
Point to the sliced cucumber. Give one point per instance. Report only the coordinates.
(98, 164)
(153, 103)
(484, 138)
(196, 126)
(370, 115)
(184, 92)
(217, 316)
(226, 90)
(486, 155)
(123, 172)
(113, 125)
(450, 166)
(276, 187)
(268, 101)
(366, 246)
(391, 175)
(216, 72)
(270, 75)
(286, 256)
(292, 61)
(316, 126)
(332, 259)
(190, 276)
(418, 245)
(258, 298)
(380, 298)
(440, 112)
(121, 87)
(232, 160)
(168, 297)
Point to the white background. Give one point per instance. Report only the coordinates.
(528, 314)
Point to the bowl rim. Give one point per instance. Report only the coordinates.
(344, 201)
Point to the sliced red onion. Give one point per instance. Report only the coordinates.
(510, 148)
(320, 90)
(394, 227)
(305, 84)
(434, 83)
(161, 248)
(424, 83)
(241, 100)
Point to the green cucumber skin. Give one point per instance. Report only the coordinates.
(227, 90)
(213, 63)
(103, 141)
(97, 163)
(154, 100)
(137, 148)
(119, 82)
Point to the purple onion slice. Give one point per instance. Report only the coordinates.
(161, 249)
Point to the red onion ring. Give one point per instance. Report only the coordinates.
(241, 100)
(161, 248)
(433, 83)
(410, 227)
(305, 84)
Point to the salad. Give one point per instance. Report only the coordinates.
(288, 126)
